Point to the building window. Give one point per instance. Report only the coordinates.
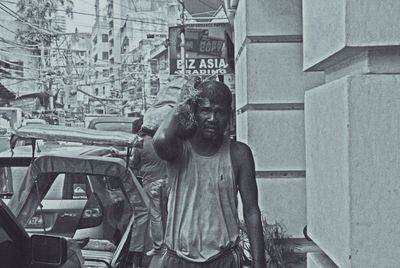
(105, 72)
(104, 38)
(95, 57)
(105, 56)
(154, 86)
(96, 91)
(123, 27)
(125, 45)
(112, 60)
(104, 90)
(97, 74)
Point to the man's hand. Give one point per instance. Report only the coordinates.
(186, 108)
(185, 116)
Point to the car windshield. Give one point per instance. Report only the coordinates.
(114, 126)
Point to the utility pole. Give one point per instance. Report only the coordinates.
(42, 61)
(183, 54)
(42, 69)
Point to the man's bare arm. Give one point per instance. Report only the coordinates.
(243, 157)
(166, 141)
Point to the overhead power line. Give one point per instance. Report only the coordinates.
(131, 28)
(15, 15)
(18, 54)
(118, 18)
(7, 29)
(15, 64)
(18, 82)
(17, 78)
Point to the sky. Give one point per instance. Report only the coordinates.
(83, 22)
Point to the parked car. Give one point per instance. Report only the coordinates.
(19, 250)
(113, 123)
(15, 162)
(82, 192)
(75, 193)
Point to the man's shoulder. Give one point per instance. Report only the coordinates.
(240, 153)
(238, 147)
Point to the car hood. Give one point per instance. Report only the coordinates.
(26, 199)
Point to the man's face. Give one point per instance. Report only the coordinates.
(212, 119)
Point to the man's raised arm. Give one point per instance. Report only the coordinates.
(178, 125)
(167, 142)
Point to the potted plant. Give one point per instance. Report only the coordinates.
(279, 251)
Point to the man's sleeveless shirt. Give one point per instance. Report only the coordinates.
(202, 208)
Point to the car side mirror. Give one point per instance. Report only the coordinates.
(48, 250)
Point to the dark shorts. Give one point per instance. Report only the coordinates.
(228, 259)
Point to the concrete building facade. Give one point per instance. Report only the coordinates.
(143, 32)
(352, 132)
(101, 84)
(19, 64)
(114, 45)
(270, 86)
(318, 101)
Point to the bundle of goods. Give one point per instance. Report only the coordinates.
(179, 90)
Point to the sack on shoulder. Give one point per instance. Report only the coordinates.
(166, 100)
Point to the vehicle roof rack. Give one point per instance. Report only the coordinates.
(81, 135)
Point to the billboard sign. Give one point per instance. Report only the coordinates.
(205, 49)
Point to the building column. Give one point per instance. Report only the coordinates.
(270, 85)
(352, 127)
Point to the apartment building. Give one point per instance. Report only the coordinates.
(19, 64)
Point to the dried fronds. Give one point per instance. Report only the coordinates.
(277, 254)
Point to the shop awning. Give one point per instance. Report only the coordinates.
(6, 93)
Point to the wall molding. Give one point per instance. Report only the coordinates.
(280, 174)
(274, 39)
(295, 38)
(270, 107)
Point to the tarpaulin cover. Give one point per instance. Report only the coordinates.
(26, 199)
(83, 135)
